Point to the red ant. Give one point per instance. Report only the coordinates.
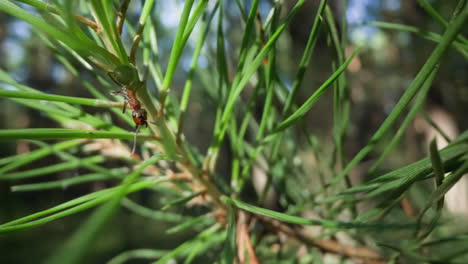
(138, 114)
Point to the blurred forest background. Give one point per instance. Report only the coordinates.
(377, 79)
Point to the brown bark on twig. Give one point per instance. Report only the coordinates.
(95, 26)
(366, 255)
(243, 240)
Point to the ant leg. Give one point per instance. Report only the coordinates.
(121, 15)
(124, 107)
(123, 93)
(120, 92)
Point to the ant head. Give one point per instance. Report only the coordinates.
(139, 117)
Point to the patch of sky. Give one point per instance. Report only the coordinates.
(185, 62)
(391, 5)
(8, 87)
(169, 17)
(13, 47)
(171, 13)
(19, 29)
(361, 11)
(58, 73)
(28, 8)
(202, 61)
(14, 52)
(357, 13)
(264, 7)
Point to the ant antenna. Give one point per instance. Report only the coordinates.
(135, 138)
